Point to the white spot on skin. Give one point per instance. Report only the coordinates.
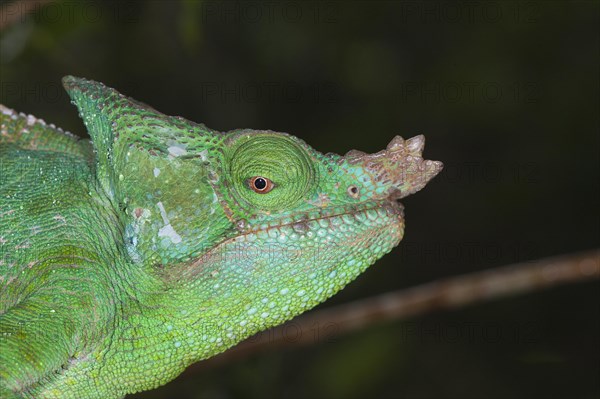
(176, 149)
(203, 155)
(156, 172)
(163, 212)
(167, 230)
(30, 120)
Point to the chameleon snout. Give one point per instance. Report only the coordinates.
(397, 171)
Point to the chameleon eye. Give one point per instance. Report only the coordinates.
(269, 172)
(260, 184)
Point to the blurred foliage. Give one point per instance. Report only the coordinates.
(507, 94)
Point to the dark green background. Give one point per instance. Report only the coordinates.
(507, 94)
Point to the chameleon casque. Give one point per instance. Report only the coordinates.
(161, 242)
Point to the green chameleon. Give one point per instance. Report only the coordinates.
(162, 242)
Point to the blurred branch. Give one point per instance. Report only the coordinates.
(15, 11)
(447, 293)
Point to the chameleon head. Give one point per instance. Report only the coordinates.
(244, 229)
(307, 223)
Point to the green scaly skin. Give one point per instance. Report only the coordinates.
(126, 259)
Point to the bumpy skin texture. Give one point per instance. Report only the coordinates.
(125, 260)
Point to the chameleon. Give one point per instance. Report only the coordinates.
(160, 242)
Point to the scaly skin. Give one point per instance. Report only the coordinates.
(121, 266)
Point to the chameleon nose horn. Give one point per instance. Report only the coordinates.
(400, 169)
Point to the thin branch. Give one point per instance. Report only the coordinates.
(16, 11)
(443, 294)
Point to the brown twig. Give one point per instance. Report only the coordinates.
(443, 294)
(16, 11)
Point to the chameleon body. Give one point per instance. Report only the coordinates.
(161, 242)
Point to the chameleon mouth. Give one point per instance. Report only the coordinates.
(378, 224)
(369, 214)
(385, 210)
